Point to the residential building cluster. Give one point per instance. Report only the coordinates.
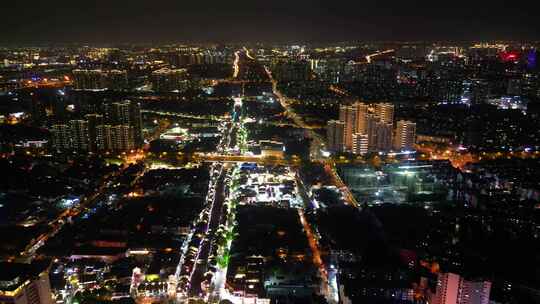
(100, 79)
(364, 128)
(169, 80)
(117, 128)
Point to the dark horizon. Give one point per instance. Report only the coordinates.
(165, 21)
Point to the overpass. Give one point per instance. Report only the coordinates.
(273, 160)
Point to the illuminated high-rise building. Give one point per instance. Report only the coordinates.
(79, 134)
(172, 286)
(448, 90)
(375, 128)
(371, 131)
(360, 143)
(122, 138)
(447, 289)
(126, 113)
(471, 292)
(347, 114)
(136, 123)
(334, 134)
(88, 80)
(530, 84)
(61, 137)
(454, 289)
(405, 135)
(117, 112)
(116, 80)
(385, 112)
(383, 137)
(104, 138)
(361, 117)
(120, 129)
(479, 91)
(99, 79)
(167, 80)
(94, 121)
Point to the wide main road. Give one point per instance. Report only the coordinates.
(194, 261)
(201, 261)
(317, 143)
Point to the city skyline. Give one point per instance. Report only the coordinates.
(376, 170)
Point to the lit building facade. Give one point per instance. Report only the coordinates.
(362, 122)
(360, 143)
(347, 114)
(474, 292)
(94, 137)
(335, 135)
(79, 134)
(119, 129)
(361, 117)
(405, 135)
(167, 80)
(100, 80)
(453, 289)
(385, 112)
(88, 80)
(383, 136)
(61, 137)
(25, 284)
(447, 289)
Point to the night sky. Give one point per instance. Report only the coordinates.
(109, 21)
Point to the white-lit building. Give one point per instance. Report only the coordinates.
(61, 139)
(454, 289)
(79, 134)
(122, 138)
(360, 143)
